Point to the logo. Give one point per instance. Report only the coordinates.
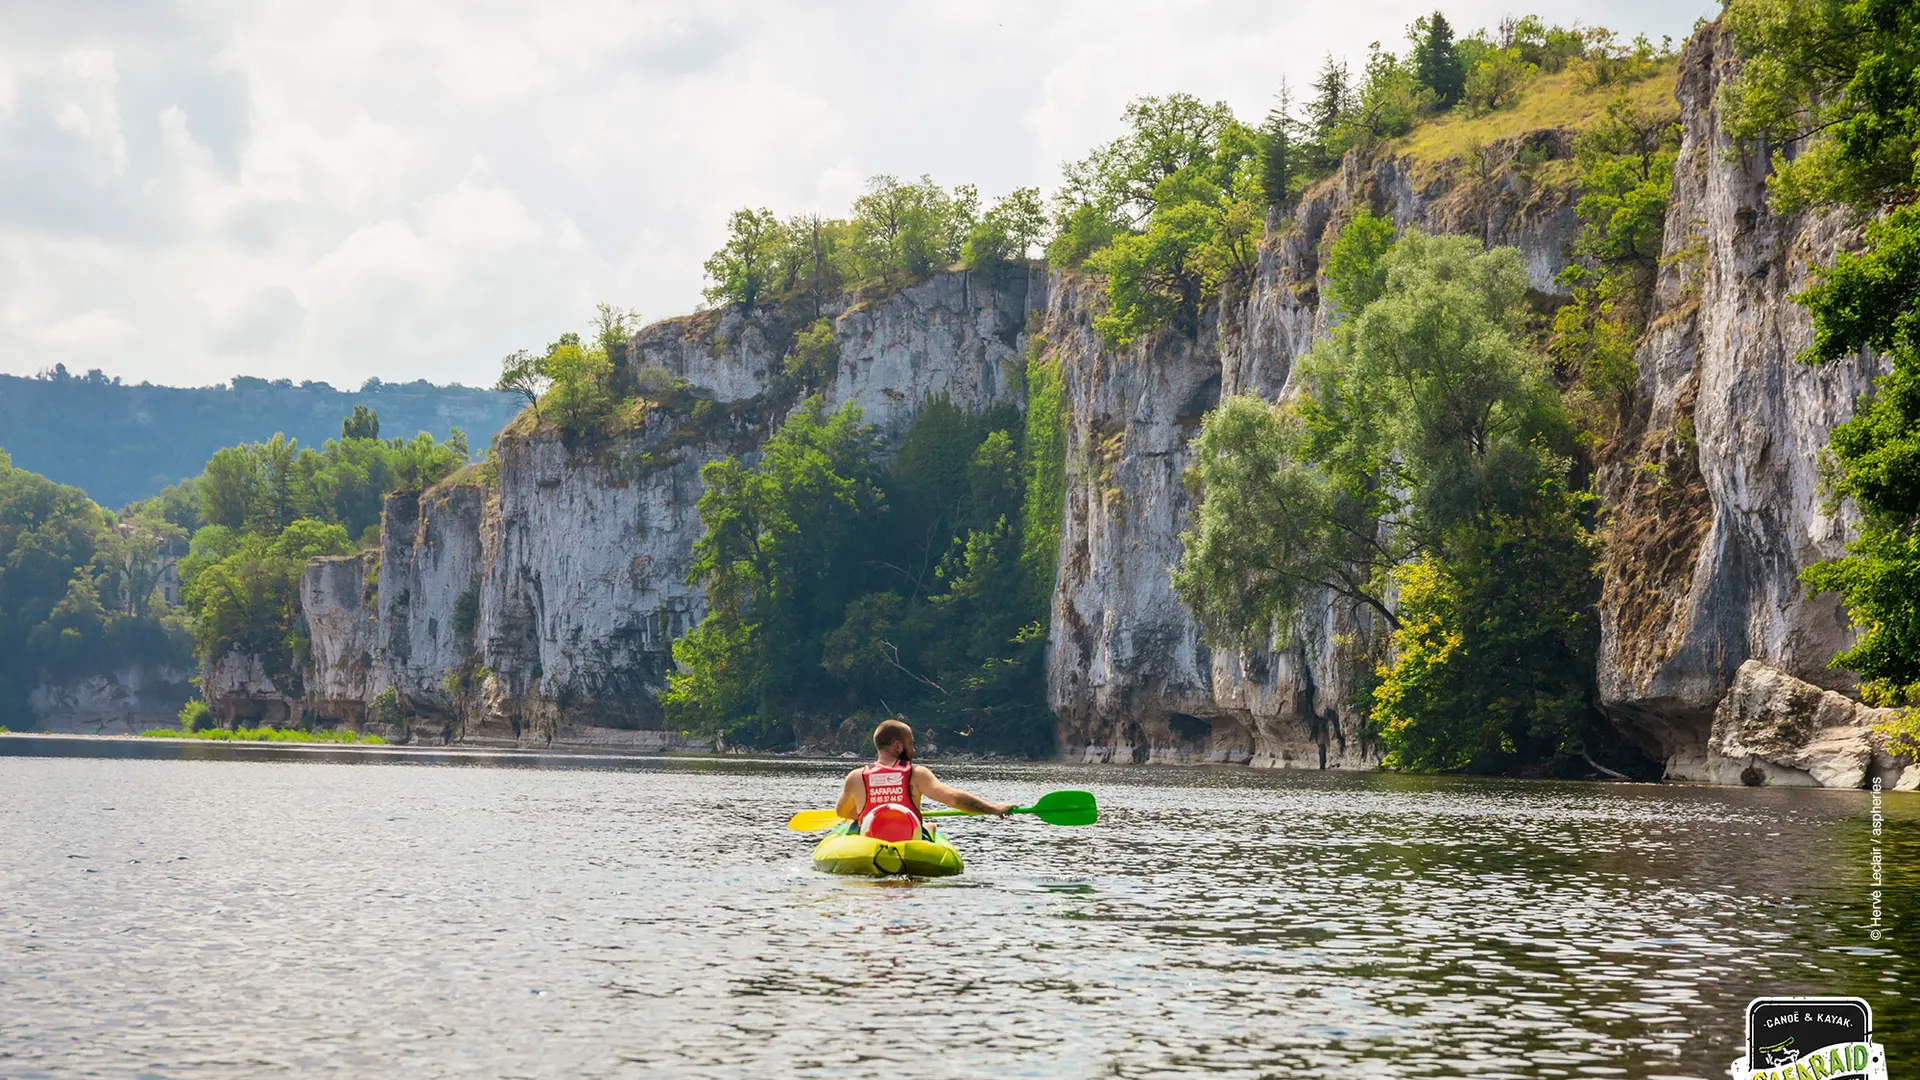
(1793, 1038)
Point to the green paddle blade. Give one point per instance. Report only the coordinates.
(1063, 808)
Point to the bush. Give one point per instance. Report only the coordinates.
(195, 716)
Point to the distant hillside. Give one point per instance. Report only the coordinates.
(123, 443)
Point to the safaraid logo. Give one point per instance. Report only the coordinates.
(1810, 1039)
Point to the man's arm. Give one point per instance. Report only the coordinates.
(850, 796)
(929, 785)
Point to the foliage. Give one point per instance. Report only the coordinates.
(77, 589)
(1356, 264)
(1044, 473)
(781, 552)
(578, 400)
(1006, 233)
(364, 423)
(524, 374)
(1840, 82)
(267, 734)
(837, 586)
(815, 359)
(1178, 204)
(1436, 65)
(195, 715)
(742, 268)
(1840, 74)
(243, 591)
(1626, 177)
(1279, 164)
(264, 487)
(1429, 436)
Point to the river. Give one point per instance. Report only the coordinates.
(233, 912)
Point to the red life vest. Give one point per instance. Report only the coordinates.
(890, 812)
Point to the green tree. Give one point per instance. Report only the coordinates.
(903, 231)
(1428, 433)
(578, 398)
(1495, 79)
(1327, 116)
(1006, 232)
(1356, 265)
(1626, 177)
(524, 374)
(1279, 168)
(77, 591)
(1195, 231)
(781, 552)
(247, 598)
(363, 424)
(1436, 66)
(746, 262)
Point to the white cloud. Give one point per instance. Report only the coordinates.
(408, 191)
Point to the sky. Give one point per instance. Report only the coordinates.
(194, 190)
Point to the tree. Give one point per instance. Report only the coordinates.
(1435, 64)
(1326, 115)
(1278, 169)
(780, 552)
(1175, 243)
(1495, 80)
(1428, 437)
(525, 374)
(1356, 265)
(902, 231)
(363, 424)
(1006, 232)
(578, 396)
(745, 263)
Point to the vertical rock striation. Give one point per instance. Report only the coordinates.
(543, 606)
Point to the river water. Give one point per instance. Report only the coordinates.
(247, 913)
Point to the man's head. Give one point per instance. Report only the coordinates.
(895, 737)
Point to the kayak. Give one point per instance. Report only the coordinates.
(844, 851)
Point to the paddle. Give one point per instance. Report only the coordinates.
(1054, 808)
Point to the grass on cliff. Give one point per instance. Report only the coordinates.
(1559, 101)
(266, 734)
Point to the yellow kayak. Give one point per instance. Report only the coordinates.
(844, 851)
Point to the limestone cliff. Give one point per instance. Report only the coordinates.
(1711, 493)
(540, 603)
(1715, 495)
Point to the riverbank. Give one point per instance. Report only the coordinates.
(37, 744)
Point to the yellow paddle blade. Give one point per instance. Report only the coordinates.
(813, 820)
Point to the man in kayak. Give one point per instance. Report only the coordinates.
(884, 797)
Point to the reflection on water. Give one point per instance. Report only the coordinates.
(238, 913)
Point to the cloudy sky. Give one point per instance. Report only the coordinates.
(334, 191)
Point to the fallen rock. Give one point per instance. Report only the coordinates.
(1774, 729)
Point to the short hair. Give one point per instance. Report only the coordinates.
(890, 732)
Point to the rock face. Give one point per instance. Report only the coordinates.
(129, 701)
(543, 607)
(542, 604)
(1707, 545)
(1130, 677)
(1711, 489)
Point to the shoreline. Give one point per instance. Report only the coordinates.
(168, 749)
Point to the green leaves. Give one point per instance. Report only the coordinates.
(1428, 456)
(1841, 74)
(835, 586)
